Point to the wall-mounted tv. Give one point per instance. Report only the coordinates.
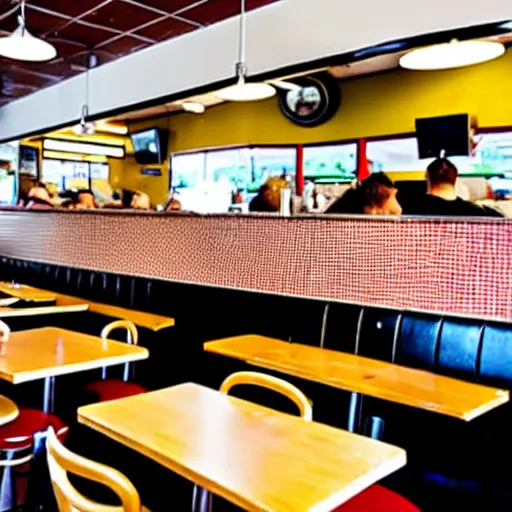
(150, 146)
(445, 135)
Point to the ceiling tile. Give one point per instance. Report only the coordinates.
(169, 6)
(38, 23)
(166, 29)
(71, 8)
(124, 46)
(121, 15)
(216, 10)
(85, 35)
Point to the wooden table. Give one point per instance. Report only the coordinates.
(139, 318)
(407, 386)
(49, 352)
(257, 458)
(28, 294)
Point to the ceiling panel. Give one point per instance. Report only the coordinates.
(124, 46)
(169, 6)
(109, 28)
(216, 10)
(122, 16)
(71, 8)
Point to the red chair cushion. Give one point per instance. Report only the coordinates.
(378, 499)
(18, 434)
(111, 389)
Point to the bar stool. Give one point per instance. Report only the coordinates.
(18, 429)
(62, 461)
(374, 499)
(112, 389)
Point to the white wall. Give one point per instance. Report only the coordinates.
(288, 32)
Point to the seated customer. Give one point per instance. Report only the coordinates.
(441, 198)
(86, 200)
(269, 196)
(376, 195)
(39, 198)
(140, 201)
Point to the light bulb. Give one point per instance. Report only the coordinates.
(22, 45)
(451, 55)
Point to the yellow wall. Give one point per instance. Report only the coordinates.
(126, 174)
(380, 105)
(371, 106)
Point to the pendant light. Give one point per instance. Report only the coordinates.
(85, 127)
(22, 45)
(455, 54)
(242, 90)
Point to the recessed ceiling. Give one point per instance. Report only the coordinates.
(109, 28)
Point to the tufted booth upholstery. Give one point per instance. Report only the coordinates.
(468, 349)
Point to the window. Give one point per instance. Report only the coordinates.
(205, 181)
(336, 163)
(65, 175)
(395, 155)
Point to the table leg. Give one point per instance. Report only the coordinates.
(201, 500)
(49, 395)
(354, 412)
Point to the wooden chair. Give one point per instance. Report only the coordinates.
(112, 389)
(62, 461)
(374, 499)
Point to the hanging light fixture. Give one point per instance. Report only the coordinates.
(85, 127)
(454, 54)
(22, 45)
(243, 90)
(194, 107)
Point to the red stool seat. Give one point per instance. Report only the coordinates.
(112, 389)
(378, 499)
(18, 434)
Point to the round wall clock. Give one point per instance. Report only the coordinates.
(316, 100)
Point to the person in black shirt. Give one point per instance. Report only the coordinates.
(441, 198)
(376, 195)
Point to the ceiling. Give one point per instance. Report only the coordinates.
(109, 28)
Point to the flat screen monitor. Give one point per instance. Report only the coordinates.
(445, 135)
(150, 146)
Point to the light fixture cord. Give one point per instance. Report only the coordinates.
(21, 17)
(241, 66)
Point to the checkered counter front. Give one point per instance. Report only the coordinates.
(448, 266)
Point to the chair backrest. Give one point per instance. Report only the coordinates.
(131, 331)
(62, 461)
(274, 384)
(132, 338)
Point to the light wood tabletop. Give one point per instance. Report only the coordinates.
(139, 318)
(49, 352)
(8, 410)
(257, 458)
(399, 384)
(26, 293)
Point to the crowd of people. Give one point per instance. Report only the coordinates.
(377, 195)
(39, 197)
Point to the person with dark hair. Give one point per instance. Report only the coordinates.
(376, 195)
(441, 198)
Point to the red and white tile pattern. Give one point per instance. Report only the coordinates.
(430, 265)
